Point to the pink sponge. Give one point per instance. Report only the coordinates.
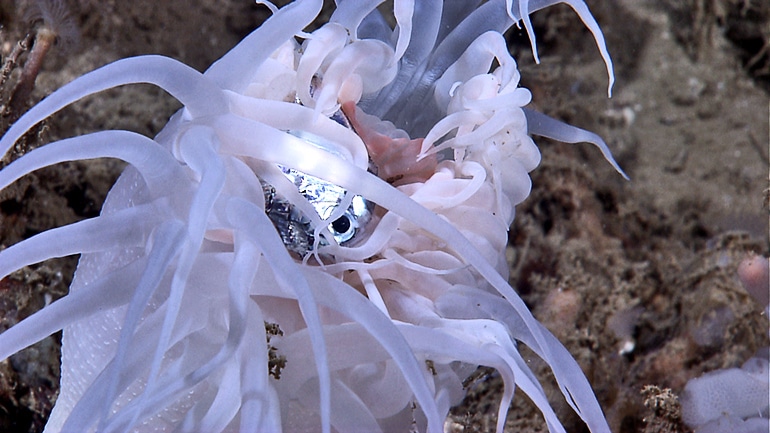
(754, 273)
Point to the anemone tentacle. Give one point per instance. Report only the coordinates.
(540, 124)
(231, 72)
(105, 293)
(262, 235)
(169, 243)
(158, 168)
(198, 94)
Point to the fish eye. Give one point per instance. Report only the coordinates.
(342, 229)
(296, 229)
(341, 225)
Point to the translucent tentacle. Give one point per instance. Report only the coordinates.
(351, 13)
(256, 389)
(124, 229)
(215, 415)
(326, 43)
(422, 40)
(438, 343)
(403, 11)
(580, 7)
(244, 268)
(374, 26)
(232, 72)
(197, 148)
(572, 382)
(524, 16)
(258, 229)
(135, 365)
(144, 341)
(415, 110)
(168, 240)
(453, 14)
(103, 294)
(288, 116)
(540, 124)
(158, 168)
(198, 94)
(348, 301)
(357, 59)
(475, 60)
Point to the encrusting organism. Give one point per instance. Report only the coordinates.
(754, 274)
(268, 263)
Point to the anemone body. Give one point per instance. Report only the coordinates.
(187, 312)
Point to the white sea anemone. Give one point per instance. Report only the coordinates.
(194, 309)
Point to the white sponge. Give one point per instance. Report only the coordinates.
(734, 392)
(735, 425)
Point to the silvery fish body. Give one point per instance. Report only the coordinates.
(296, 229)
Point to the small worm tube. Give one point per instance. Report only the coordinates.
(58, 27)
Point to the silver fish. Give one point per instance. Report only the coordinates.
(296, 229)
